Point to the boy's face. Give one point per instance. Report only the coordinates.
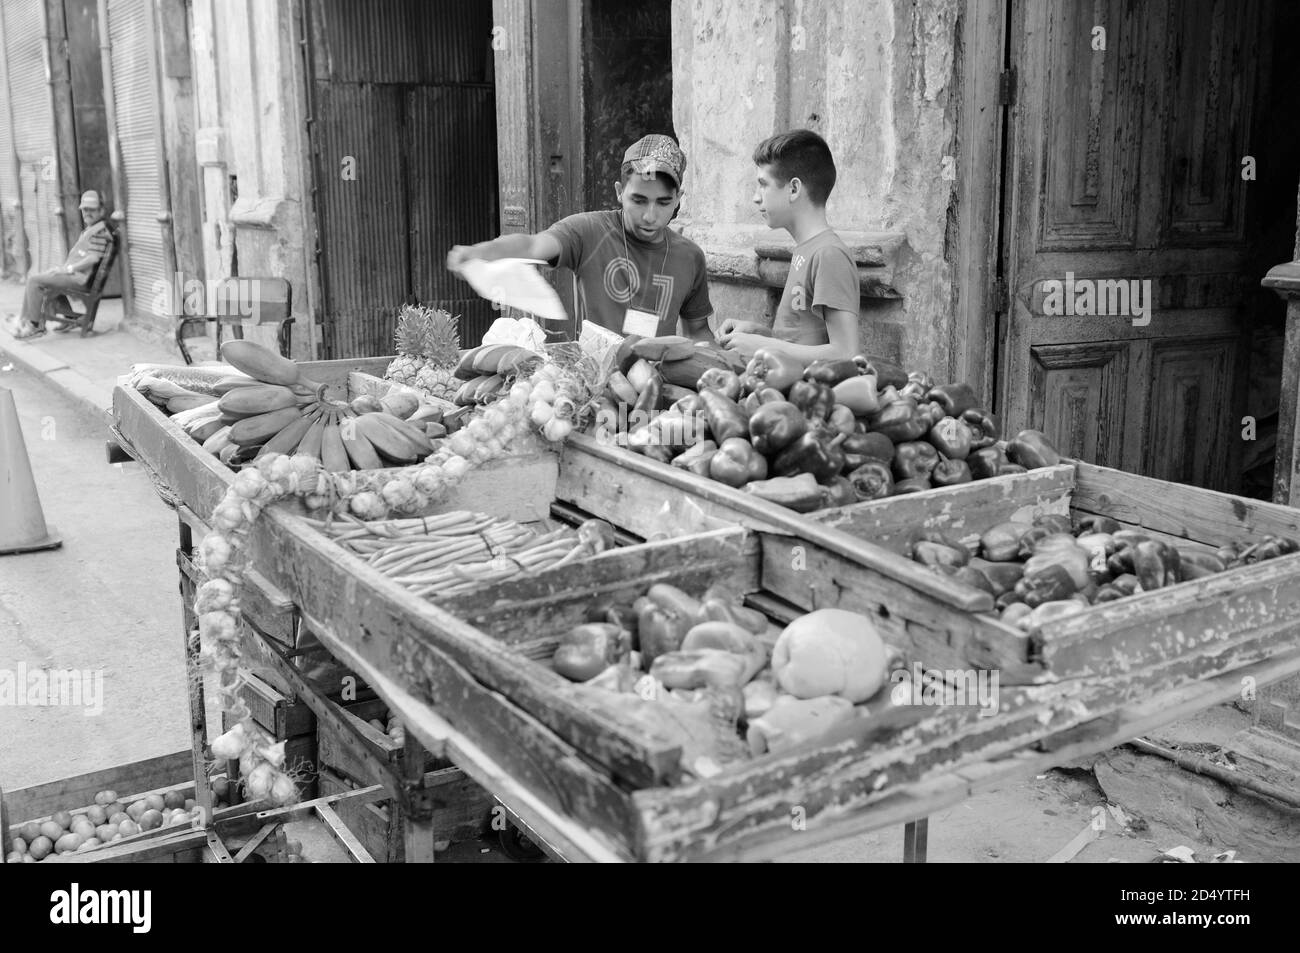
(648, 205)
(773, 197)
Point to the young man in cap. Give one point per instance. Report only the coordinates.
(634, 274)
(75, 273)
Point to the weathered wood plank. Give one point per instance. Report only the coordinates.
(925, 630)
(1181, 619)
(76, 793)
(963, 511)
(1187, 512)
(550, 602)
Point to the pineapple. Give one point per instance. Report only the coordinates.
(411, 330)
(440, 354)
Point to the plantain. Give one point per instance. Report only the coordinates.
(184, 402)
(465, 395)
(360, 450)
(202, 432)
(287, 440)
(333, 455)
(254, 431)
(412, 432)
(392, 443)
(217, 440)
(260, 362)
(465, 366)
(226, 384)
(496, 358)
(621, 388)
(259, 399)
(488, 388)
(311, 440)
(672, 347)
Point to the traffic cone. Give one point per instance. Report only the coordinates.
(22, 525)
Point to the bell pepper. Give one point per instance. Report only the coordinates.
(984, 428)
(872, 480)
(1003, 576)
(726, 419)
(1051, 611)
(814, 453)
(917, 386)
(1014, 612)
(775, 426)
(932, 412)
(1056, 522)
(858, 394)
(659, 453)
(955, 399)
(1010, 469)
(861, 447)
(887, 373)
(913, 485)
(723, 381)
(931, 553)
(659, 630)
(914, 458)
(737, 463)
(1063, 571)
(647, 402)
(831, 373)
(1095, 543)
(950, 473)
(764, 395)
(1098, 524)
(839, 492)
(1031, 449)
(704, 448)
(1030, 539)
(952, 438)
(842, 420)
(1009, 598)
(900, 421)
(1120, 562)
(1054, 542)
(772, 369)
(587, 650)
(1153, 565)
(1001, 543)
(717, 609)
(968, 575)
(888, 395)
(985, 461)
(689, 406)
(1107, 593)
(815, 400)
(801, 493)
(1198, 565)
(700, 668)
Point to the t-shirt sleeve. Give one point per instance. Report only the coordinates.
(574, 234)
(834, 279)
(697, 304)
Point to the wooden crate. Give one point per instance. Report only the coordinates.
(475, 660)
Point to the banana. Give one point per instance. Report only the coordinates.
(217, 441)
(360, 450)
(670, 347)
(202, 414)
(392, 443)
(188, 402)
(261, 399)
(488, 388)
(333, 455)
(465, 396)
(254, 431)
(465, 367)
(260, 362)
(489, 358)
(227, 453)
(412, 432)
(287, 440)
(622, 388)
(229, 383)
(311, 440)
(203, 431)
(518, 362)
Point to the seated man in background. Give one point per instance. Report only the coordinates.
(45, 289)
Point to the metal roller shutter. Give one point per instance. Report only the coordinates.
(135, 90)
(8, 172)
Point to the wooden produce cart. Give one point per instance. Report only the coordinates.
(586, 776)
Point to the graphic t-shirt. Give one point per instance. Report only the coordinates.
(822, 275)
(90, 248)
(667, 279)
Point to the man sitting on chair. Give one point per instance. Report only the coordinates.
(45, 289)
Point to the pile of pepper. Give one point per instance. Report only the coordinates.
(1051, 568)
(826, 434)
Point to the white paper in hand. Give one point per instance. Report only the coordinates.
(516, 283)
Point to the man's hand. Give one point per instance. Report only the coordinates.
(736, 326)
(745, 343)
(457, 257)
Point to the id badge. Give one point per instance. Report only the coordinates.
(641, 323)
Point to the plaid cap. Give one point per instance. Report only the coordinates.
(651, 154)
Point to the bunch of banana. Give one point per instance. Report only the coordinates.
(489, 359)
(171, 396)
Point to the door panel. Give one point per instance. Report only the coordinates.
(1125, 186)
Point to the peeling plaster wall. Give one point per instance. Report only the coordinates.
(876, 78)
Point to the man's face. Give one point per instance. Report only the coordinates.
(648, 205)
(90, 214)
(772, 196)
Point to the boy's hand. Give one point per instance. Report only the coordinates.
(745, 343)
(735, 326)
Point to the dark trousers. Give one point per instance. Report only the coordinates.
(43, 287)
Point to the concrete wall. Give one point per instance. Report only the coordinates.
(876, 79)
(247, 101)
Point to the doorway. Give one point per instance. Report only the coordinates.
(1148, 160)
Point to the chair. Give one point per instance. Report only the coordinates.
(89, 296)
(267, 300)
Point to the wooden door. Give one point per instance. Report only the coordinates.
(1126, 166)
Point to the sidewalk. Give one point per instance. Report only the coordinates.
(86, 369)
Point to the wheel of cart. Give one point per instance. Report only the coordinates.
(517, 845)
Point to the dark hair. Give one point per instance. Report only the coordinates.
(628, 171)
(803, 154)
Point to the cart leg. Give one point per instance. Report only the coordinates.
(915, 834)
(193, 674)
(417, 812)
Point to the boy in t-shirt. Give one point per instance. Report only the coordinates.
(817, 317)
(634, 274)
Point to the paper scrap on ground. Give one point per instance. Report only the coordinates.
(516, 283)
